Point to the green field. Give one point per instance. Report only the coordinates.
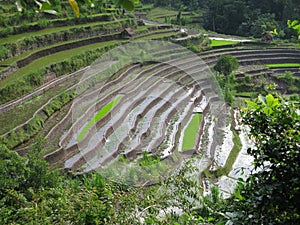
(17, 37)
(159, 14)
(51, 59)
(191, 131)
(102, 112)
(214, 43)
(283, 65)
(24, 111)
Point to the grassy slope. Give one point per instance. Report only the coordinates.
(191, 131)
(23, 112)
(159, 14)
(50, 59)
(15, 38)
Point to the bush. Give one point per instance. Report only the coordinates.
(226, 64)
(271, 193)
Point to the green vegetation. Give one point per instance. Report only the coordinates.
(31, 192)
(195, 44)
(66, 30)
(158, 36)
(292, 81)
(146, 168)
(101, 113)
(31, 76)
(32, 126)
(52, 59)
(295, 25)
(174, 16)
(191, 131)
(283, 65)
(55, 7)
(237, 146)
(274, 187)
(161, 14)
(226, 64)
(214, 43)
(28, 108)
(237, 17)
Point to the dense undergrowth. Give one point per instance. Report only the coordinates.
(31, 193)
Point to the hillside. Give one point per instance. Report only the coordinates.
(132, 104)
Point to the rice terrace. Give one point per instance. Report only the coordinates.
(144, 113)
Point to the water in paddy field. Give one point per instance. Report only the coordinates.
(241, 167)
(155, 107)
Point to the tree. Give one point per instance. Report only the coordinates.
(226, 64)
(271, 194)
(12, 170)
(296, 26)
(263, 24)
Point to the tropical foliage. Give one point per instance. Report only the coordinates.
(245, 18)
(271, 194)
(32, 193)
(226, 64)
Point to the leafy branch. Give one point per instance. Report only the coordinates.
(296, 26)
(44, 6)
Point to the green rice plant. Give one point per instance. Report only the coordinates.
(101, 113)
(224, 171)
(214, 43)
(283, 65)
(23, 82)
(191, 132)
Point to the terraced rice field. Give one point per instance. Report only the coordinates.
(145, 109)
(142, 99)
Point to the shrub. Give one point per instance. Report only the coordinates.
(226, 64)
(248, 78)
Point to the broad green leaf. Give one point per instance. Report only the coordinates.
(271, 101)
(274, 32)
(46, 6)
(238, 195)
(262, 99)
(294, 23)
(75, 7)
(210, 219)
(251, 104)
(127, 4)
(268, 110)
(200, 219)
